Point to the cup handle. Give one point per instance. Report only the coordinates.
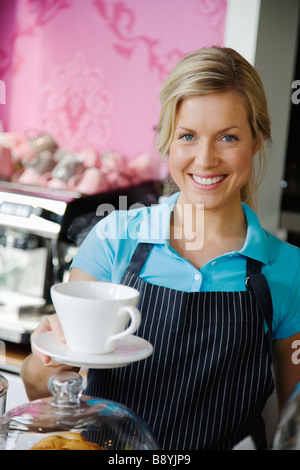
(135, 316)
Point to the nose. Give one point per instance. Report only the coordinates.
(206, 155)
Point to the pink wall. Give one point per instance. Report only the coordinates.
(89, 71)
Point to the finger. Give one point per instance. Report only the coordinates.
(49, 323)
(56, 327)
(41, 357)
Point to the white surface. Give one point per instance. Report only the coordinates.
(241, 26)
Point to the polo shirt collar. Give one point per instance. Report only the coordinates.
(256, 243)
(155, 228)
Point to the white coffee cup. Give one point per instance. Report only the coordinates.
(94, 315)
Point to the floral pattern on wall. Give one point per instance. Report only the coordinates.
(89, 71)
(78, 103)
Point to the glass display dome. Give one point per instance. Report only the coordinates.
(68, 420)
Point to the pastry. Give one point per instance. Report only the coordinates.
(65, 441)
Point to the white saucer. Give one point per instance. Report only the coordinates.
(130, 349)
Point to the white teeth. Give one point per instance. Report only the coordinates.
(207, 181)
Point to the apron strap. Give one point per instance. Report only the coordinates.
(258, 285)
(139, 257)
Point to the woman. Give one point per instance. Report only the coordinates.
(219, 295)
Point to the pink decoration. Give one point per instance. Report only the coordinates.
(89, 72)
(143, 168)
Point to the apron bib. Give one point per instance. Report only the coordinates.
(209, 377)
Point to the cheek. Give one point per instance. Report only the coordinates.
(178, 157)
(241, 162)
(243, 168)
(177, 164)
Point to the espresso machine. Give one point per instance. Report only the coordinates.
(40, 232)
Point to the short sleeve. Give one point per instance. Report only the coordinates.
(96, 253)
(289, 320)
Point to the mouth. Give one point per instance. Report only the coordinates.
(208, 182)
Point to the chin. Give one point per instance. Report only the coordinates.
(210, 202)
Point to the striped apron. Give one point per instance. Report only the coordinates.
(209, 377)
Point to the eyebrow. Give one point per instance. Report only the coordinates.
(186, 129)
(228, 129)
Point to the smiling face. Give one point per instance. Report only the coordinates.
(211, 152)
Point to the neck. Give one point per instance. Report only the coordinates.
(226, 224)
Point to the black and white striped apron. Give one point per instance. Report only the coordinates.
(210, 375)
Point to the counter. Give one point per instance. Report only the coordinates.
(10, 366)
(12, 356)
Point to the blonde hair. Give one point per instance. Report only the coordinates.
(211, 70)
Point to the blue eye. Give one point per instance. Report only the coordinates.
(187, 137)
(229, 138)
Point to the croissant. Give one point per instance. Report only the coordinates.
(65, 441)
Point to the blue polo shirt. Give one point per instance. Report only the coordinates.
(107, 250)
